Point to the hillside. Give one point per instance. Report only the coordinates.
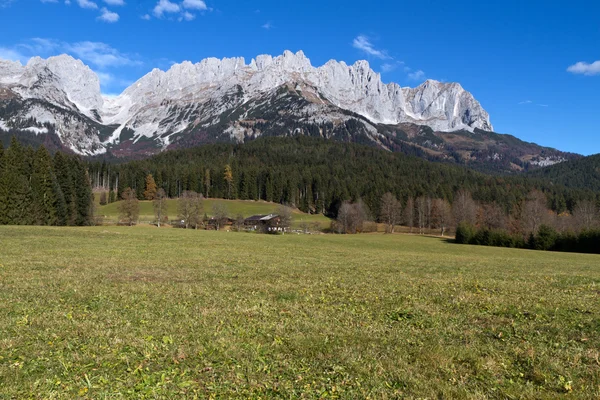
(234, 208)
(316, 175)
(581, 173)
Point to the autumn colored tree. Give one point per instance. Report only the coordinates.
(150, 192)
(160, 206)
(207, 182)
(228, 176)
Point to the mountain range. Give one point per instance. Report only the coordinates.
(58, 101)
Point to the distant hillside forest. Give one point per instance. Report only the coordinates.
(582, 173)
(38, 189)
(318, 175)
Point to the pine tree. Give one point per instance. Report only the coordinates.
(43, 185)
(150, 192)
(63, 171)
(15, 197)
(83, 194)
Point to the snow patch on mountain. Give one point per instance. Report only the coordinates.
(164, 103)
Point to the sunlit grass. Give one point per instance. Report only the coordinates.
(111, 312)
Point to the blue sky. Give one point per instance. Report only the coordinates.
(534, 65)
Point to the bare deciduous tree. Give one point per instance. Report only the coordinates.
(492, 216)
(586, 215)
(421, 207)
(239, 223)
(352, 216)
(464, 208)
(190, 207)
(160, 206)
(442, 214)
(409, 214)
(220, 214)
(129, 208)
(391, 210)
(535, 211)
(285, 216)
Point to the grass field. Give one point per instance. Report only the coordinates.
(115, 312)
(234, 207)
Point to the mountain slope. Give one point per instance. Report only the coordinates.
(230, 101)
(582, 173)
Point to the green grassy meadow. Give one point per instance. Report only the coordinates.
(246, 208)
(119, 312)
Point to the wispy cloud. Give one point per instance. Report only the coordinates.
(391, 66)
(179, 11)
(584, 68)
(13, 55)
(97, 54)
(108, 16)
(164, 7)
(267, 26)
(416, 75)
(194, 5)
(363, 43)
(87, 4)
(530, 102)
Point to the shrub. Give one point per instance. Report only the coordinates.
(465, 233)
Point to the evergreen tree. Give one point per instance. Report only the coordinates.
(83, 194)
(63, 171)
(44, 187)
(15, 197)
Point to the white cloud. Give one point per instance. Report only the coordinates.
(525, 102)
(146, 17)
(99, 54)
(186, 16)
(583, 68)
(165, 6)
(194, 4)
(267, 26)
(389, 67)
(12, 55)
(363, 43)
(108, 16)
(115, 2)
(87, 4)
(416, 75)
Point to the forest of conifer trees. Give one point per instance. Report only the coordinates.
(317, 176)
(38, 189)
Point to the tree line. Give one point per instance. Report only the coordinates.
(318, 176)
(38, 189)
